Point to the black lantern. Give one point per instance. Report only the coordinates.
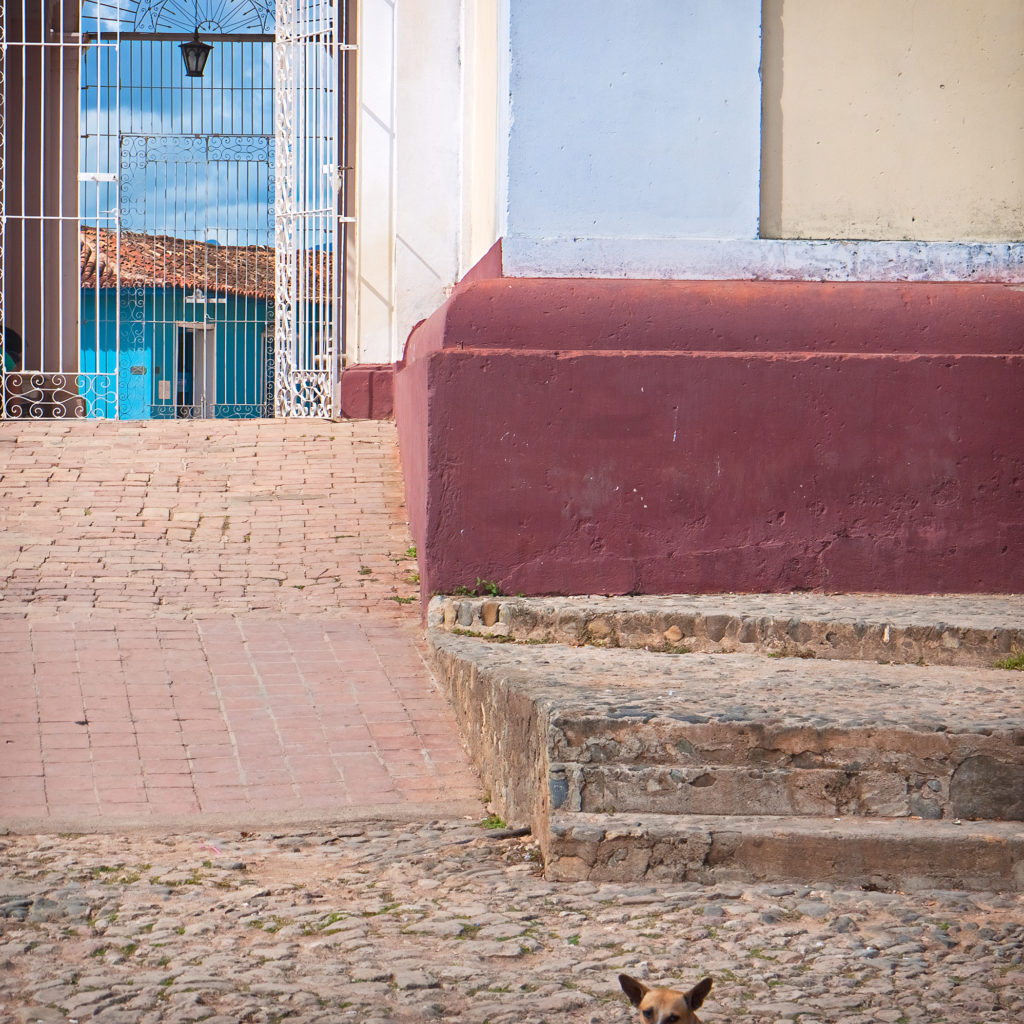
(194, 53)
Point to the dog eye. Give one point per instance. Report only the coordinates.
(649, 1013)
(672, 1018)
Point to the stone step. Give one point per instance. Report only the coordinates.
(979, 788)
(631, 764)
(630, 730)
(961, 630)
(725, 734)
(874, 853)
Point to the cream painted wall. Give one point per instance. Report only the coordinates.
(893, 119)
(484, 88)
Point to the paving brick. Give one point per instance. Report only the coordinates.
(192, 591)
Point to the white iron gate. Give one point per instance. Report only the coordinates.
(310, 60)
(173, 245)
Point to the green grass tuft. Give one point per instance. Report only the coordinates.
(1013, 661)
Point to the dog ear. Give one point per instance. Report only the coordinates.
(698, 994)
(636, 990)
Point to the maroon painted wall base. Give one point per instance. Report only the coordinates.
(367, 391)
(644, 437)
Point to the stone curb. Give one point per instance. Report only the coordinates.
(956, 630)
(398, 813)
(871, 852)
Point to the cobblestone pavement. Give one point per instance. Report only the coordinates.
(213, 620)
(407, 922)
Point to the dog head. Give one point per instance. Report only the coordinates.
(665, 1005)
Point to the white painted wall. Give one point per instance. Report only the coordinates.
(373, 339)
(430, 169)
(683, 259)
(408, 168)
(429, 207)
(634, 120)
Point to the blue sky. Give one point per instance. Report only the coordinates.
(209, 181)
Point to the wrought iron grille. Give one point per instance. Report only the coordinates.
(173, 247)
(311, 59)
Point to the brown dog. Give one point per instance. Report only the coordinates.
(665, 1005)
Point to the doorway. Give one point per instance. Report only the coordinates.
(194, 381)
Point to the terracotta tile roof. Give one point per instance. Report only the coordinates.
(162, 261)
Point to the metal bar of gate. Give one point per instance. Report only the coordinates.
(7, 360)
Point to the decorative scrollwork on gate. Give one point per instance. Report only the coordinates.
(309, 393)
(178, 15)
(139, 150)
(56, 396)
(241, 148)
(132, 183)
(174, 149)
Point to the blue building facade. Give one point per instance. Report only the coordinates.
(170, 353)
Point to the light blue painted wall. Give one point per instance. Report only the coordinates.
(634, 120)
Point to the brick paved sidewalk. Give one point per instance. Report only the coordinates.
(213, 620)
